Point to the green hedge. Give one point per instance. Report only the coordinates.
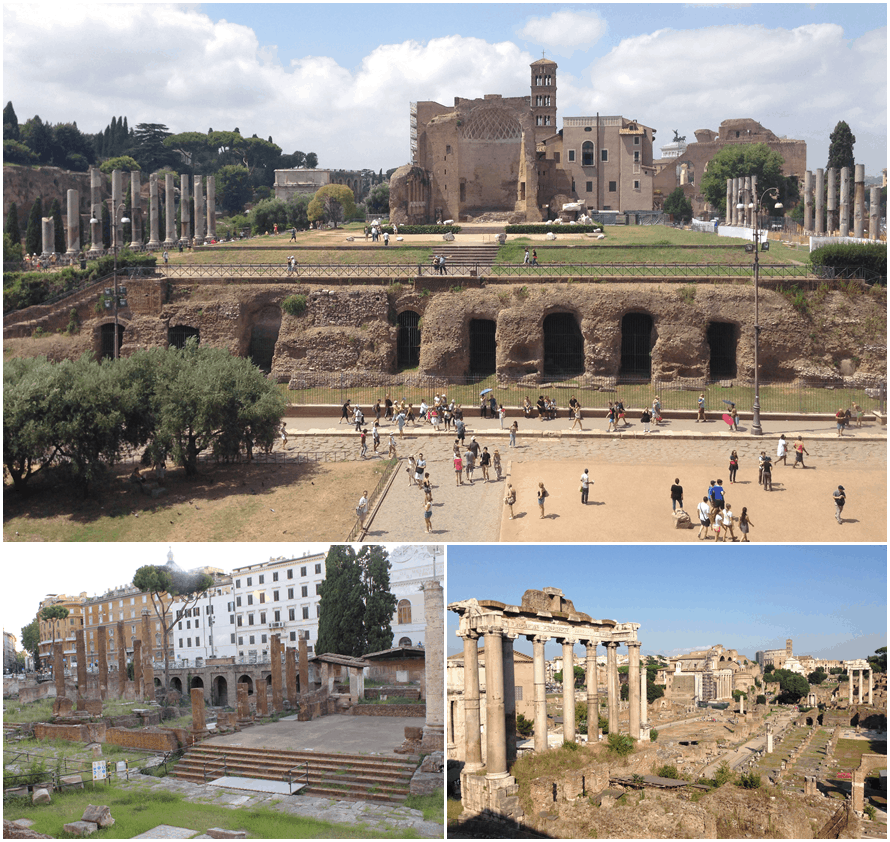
(871, 257)
(544, 228)
(422, 229)
(24, 289)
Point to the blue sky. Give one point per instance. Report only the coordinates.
(337, 78)
(831, 601)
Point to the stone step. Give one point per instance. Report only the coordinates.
(301, 755)
(198, 766)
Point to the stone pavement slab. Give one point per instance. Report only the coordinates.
(167, 831)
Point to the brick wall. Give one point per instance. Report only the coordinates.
(405, 692)
(161, 740)
(72, 733)
(388, 710)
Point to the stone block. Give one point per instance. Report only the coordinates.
(434, 762)
(40, 796)
(92, 706)
(62, 706)
(222, 833)
(413, 734)
(71, 782)
(80, 828)
(448, 237)
(101, 815)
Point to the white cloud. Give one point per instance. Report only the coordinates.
(565, 31)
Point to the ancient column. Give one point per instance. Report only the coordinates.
(243, 702)
(808, 201)
(741, 705)
(137, 668)
(102, 655)
(739, 218)
(612, 684)
(185, 214)
(870, 687)
(819, 225)
(81, 650)
(593, 699)
(509, 695)
(850, 687)
(275, 650)
(48, 230)
(845, 202)
(859, 200)
(304, 668)
(644, 700)
(73, 223)
(290, 675)
(434, 671)
(169, 211)
(769, 739)
(861, 682)
(153, 215)
(755, 198)
(495, 737)
(96, 246)
(199, 209)
(148, 652)
(874, 214)
(117, 198)
(728, 200)
(832, 200)
(539, 668)
(472, 714)
(568, 690)
(199, 719)
(633, 690)
(262, 699)
(58, 669)
(135, 211)
(121, 659)
(211, 208)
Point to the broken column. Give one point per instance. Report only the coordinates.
(819, 226)
(211, 208)
(199, 712)
(148, 672)
(137, 668)
(472, 712)
(808, 201)
(290, 673)
(199, 210)
(434, 672)
(304, 668)
(832, 200)
(102, 650)
(121, 659)
(48, 231)
(169, 211)
(153, 213)
(73, 223)
(859, 200)
(275, 653)
(874, 213)
(540, 668)
(96, 246)
(593, 699)
(741, 705)
(845, 202)
(58, 669)
(633, 689)
(568, 690)
(243, 704)
(135, 211)
(185, 216)
(769, 739)
(81, 651)
(262, 699)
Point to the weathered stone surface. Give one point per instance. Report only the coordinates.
(434, 762)
(71, 782)
(40, 796)
(80, 828)
(16, 830)
(222, 833)
(100, 814)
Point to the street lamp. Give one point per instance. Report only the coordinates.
(756, 247)
(121, 208)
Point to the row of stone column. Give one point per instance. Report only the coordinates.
(851, 672)
(814, 190)
(741, 191)
(500, 693)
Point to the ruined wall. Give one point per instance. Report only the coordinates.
(161, 740)
(23, 185)
(388, 710)
(88, 733)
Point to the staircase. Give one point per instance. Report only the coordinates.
(350, 777)
(463, 258)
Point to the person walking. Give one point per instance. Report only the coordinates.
(840, 418)
(283, 434)
(645, 418)
(799, 452)
(733, 466)
(427, 487)
(613, 418)
(474, 446)
(419, 469)
(782, 450)
(766, 474)
(717, 495)
(585, 486)
(458, 469)
(704, 518)
(576, 412)
(656, 411)
(840, 498)
(427, 505)
(392, 446)
(510, 499)
(361, 510)
(502, 414)
(513, 430)
(400, 420)
(347, 409)
(542, 495)
(621, 412)
(364, 442)
(745, 525)
(411, 470)
(469, 464)
(461, 429)
(728, 518)
(496, 462)
(676, 495)
(701, 408)
(485, 462)
(375, 435)
(718, 527)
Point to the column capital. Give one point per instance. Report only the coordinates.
(468, 635)
(634, 643)
(611, 644)
(563, 641)
(508, 635)
(538, 638)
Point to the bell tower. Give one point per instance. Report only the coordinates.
(543, 97)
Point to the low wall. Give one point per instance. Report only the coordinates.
(404, 692)
(41, 691)
(388, 710)
(161, 740)
(94, 732)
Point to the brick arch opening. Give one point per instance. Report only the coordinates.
(563, 345)
(263, 337)
(246, 679)
(178, 335)
(636, 346)
(220, 695)
(408, 340)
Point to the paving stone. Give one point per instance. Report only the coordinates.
(23, 822)
(167, 831)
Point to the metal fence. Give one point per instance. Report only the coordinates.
(391, 466)
(366, 388)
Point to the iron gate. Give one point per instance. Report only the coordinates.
(636, 346)
(722, 342)
(563, 346)
(177, 336)
(408, 342)
(483, 347)
(107, 338)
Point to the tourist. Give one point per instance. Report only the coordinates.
(496, 461)
(701, 408)
(282, 431)
(461, 429)
(744, 525)
(527, 407)
(474, 446)
(377, 410)
(485, 463)
(502, 414)
(840, 497)
(645, 418)
(656, 411)
(542, 495)
(542, 408)
(526, 258)
(447, 417)
(799, 452)
(493, 406)
(857, 414)
(585, 486)
(346, 410)
(716, 494)
(841, 419)
(767, 474)
(166, 257)
(576, 412)
(510, 499)
(613, 418)
(621, 412)
(760, 460)
(734, 415)
(364, 442)
(469, 465)
(728, 518)
(419, 469)
(375, 435)
(483, 407)
(458, 469)
(387, 402)
(361, 510)
(400, 420)
(411, 470)
(733, 466)
(293, 234)
(704, 517)
(442, 268)
(676, 495)
(534, 257)
(718, 526)
(359, 418)
(427, 505)
(386, 243)
(427, 487)
(573, 404)
(392, 446)
(782, 450)
(513, 430)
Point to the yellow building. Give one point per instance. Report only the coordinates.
(60, 629)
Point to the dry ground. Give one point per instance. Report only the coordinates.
(255, 502)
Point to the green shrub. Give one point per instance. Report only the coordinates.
(723, 774)
(524, 726)
(749, 780)
(668, 771)
(870, 812)
(294, 305)
(798, 299)
(653, 734)
(869, 259)
(620, 744)
(687, 295)
(543, 228)
(570, 746)
(422, 229)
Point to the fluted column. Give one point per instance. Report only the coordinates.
(819, 226)
(472, 715)
(728, 201)
(540, 693)
(832, 200)
(211, 208)
(859, 200)
(96, 245)
(73, 223)
(495, 737)
(850, 686)
(568, 690)
(170, 211)
(199, 210)
(153, 235)
(870, 687)
(135, 210)
(808, 201)
(593, 699)
(117, 197)
(509, 697)
(612, 684)
(874, 214)
(845, 202)
(185, 214)
(633, 695)
(861, 682)
(644, 699)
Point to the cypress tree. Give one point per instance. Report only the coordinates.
(840, 147)
(11, 226)
(341, 607)
(33, 233)
(55, 211)
(10, 123)
(379, 601)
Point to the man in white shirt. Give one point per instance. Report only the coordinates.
(585, 486)
(704, 517)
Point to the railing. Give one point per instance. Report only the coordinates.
(356, 531)
(289, 777)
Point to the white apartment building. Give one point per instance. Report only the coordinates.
(207, 629)
(410, 566)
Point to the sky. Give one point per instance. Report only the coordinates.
(337, 78)
(831, 601)
(96, 568)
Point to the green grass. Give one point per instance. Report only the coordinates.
(275, 251)
(136, 811)
(430, 805)
(455, 808)
(391, 700)
(42, 710)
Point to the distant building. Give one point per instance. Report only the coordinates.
(9, 661)
(60, 630)
(297, 182)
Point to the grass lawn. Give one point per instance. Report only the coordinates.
(42, 709)
(136, 811)
(243, 502)
(455, 808)
(848, 753)
(430, 805)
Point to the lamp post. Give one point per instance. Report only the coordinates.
(121, 208)
(773, 193)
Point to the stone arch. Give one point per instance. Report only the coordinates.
(178, 335)
(563, 345)
(264, 330)
(636, 346)
(408, 339)
(197, 681)
(246, 679)
(269, 679)
(404, 641)
(157, 683)
(723, 338)
(106, 339)
(220, 694)
(176, 684)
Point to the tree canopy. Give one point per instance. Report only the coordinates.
(878, 661)
(332, 203)
(747, 159)
(840, 147)
(678, 206)
(31, 640)
(53, 614)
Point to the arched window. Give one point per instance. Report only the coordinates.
(587, 154)
(404, 641)
(404, 612)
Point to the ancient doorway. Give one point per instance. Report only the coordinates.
(246, 679)
(176, 684)
(483, 348)
(563, 346)
(722, 343)
(263, 336)
(107, 340)
(636, 346)
(177, 336)
(408, 340)
(197, 681)
(220, 691)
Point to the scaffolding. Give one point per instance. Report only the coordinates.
(413, 132)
